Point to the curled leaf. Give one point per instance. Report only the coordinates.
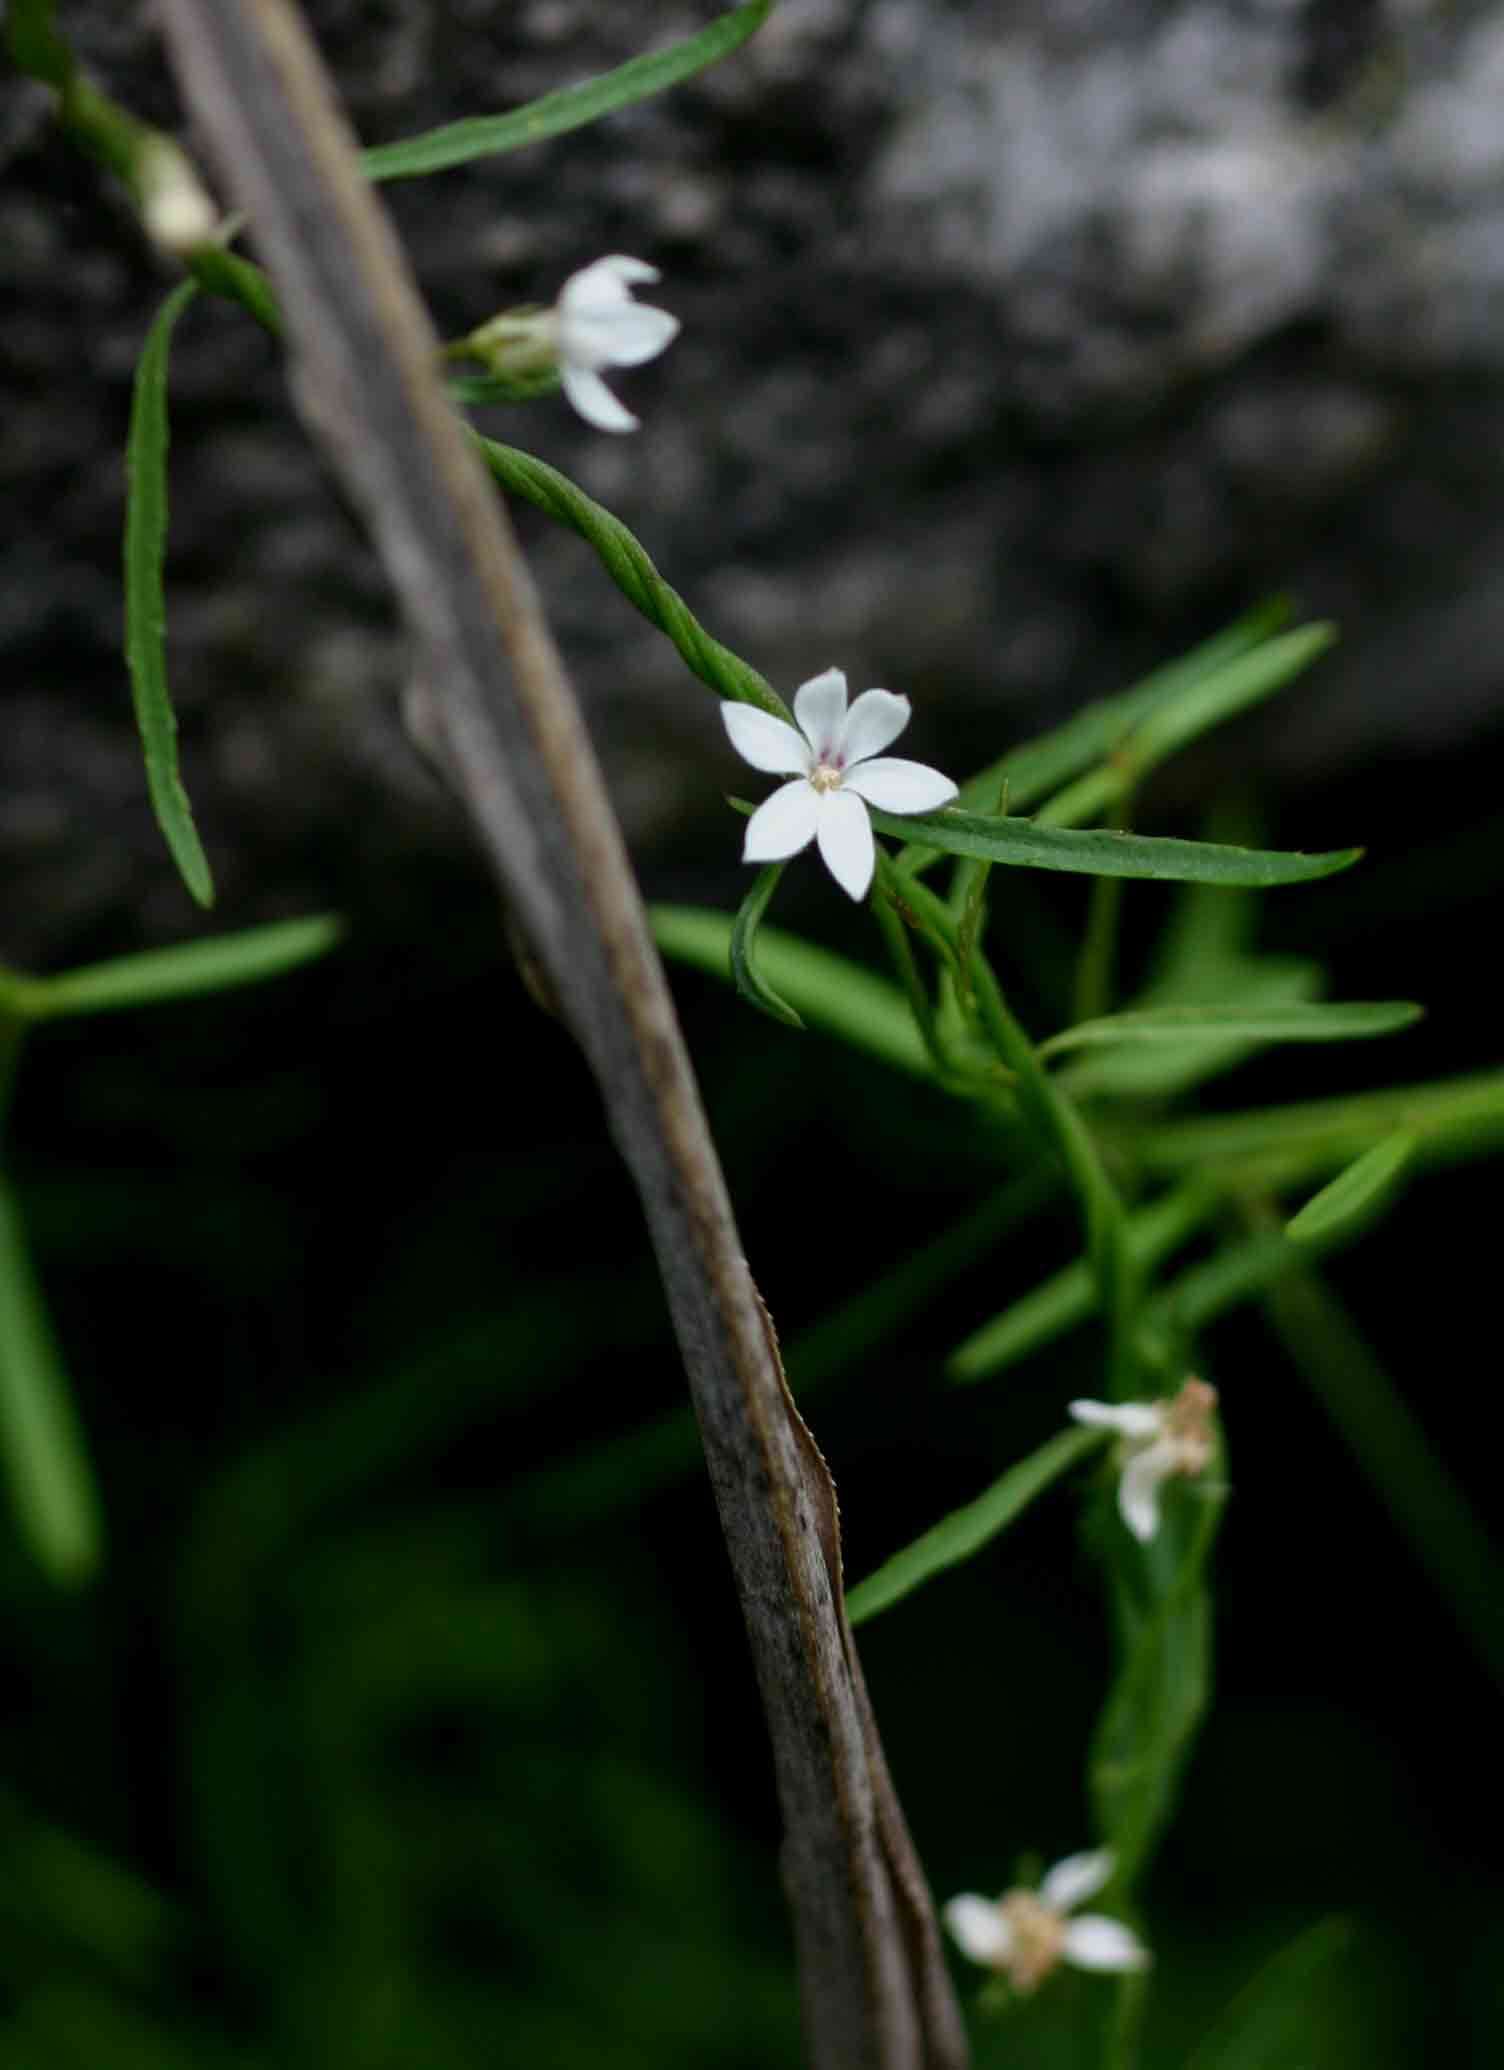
(744, 972)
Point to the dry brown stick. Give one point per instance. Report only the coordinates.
(364, 367)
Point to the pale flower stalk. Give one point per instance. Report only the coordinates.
(1159, 1440)
(1027, 1934)
(830, 755)
(175, 205)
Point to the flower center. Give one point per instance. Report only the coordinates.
(825, 777)
(1188, 1425)
(1037, 1939)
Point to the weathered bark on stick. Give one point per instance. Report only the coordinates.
(365, 374)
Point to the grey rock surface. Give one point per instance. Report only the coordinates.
(1024, 342)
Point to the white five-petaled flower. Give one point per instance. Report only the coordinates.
(830, 756)
(1160, 1439)
(595, 323)
(1028, 1933)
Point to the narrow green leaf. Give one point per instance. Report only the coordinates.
(744, 973)
(1236, 686)
(1293, 1023)
(1033, 771)
(1103, 852)
(145, 608)
(1355, 1195)
(52, 1485)
(571, 107)
(1152, 1234)
(824, 989)
(966, 1531)
(1267, 2022)
(214, 965)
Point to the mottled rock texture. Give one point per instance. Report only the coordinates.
(1024, 341)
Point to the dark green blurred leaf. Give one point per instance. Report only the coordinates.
(52, 1484)
(1280, 1023)
(31, 35)
(157, 975)
(1355, 1196)
(826, 990)
(1451, 1118)
(1265, 2026)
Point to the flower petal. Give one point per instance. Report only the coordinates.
(1138, 1490)
(594, 400)
(876, 719)
(606, 284)
(767, 743)
(638, 333)
(1096, 1942)
(893, 785)
(1079, 1876)
(979, 1929)
(622, 336)
(1133, 1419)
(782, 824)
(820, 707)
(844, 833)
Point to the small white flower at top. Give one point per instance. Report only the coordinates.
(595, 323)
(830, 756)
(1025, 1934)
(1160, 1439)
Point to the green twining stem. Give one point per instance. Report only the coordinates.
(629, 567)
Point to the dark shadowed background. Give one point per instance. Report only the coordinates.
(1023, 345)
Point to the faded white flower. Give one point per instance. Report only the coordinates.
(1160, 1439)
(1028, 1933)
(595, 323)
(830, 756)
